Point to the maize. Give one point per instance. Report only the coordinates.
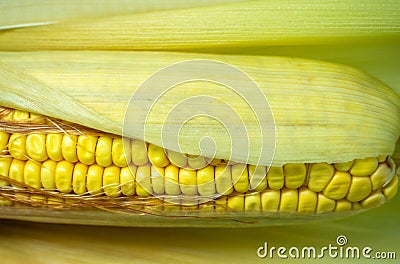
(86, 164)
(71, 156)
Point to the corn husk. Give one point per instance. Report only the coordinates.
(381, 58)
(28, 13)
(252, 23)
(44, 243)
(323, 112)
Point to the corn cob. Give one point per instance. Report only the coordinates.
(50, 162)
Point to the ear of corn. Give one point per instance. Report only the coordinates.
(266, 23)
(66, 158)
(85, 169)
(348, 107)
(82, 167)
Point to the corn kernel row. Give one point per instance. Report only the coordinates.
(301, 200)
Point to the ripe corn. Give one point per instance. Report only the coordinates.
(93, 165)
(67, 158)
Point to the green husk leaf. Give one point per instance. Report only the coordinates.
(27, 13)
(252, 23)
(323, 112)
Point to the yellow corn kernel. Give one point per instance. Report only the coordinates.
(325, 204)
(319, 176)
(121, 152)
(16, 171)
(240, 177)
(63, 176)
(157, 156)
(32, 174)
(139, 152)
(36, 118)
(257, 177)
(7, 117)
(338, 186)
(79, 178)
(171, 174)
(86, 149)
(343, 205)
(289, 200)
(103, 151)
(176, 158)
(344, 166)
(94, 179)
(381, 176)
(236, 202)
(36, 147)
(252, 202)
(111, 177)
(223, 180)
(5, 164)
(18, 115)
(270, 200)
(17, 146)
(364, 167)
(205, 181)
(127, 179)
(143, 187)
(188, 181)
(373, 200)
(68, 147)
(47, 174)
(196, 162)
(307, 200)
(157, 179)
(220, 204)
(360, 187)
(275, 178)
(3, 140)
(295, 175)
(54, 146)
(391, 189)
